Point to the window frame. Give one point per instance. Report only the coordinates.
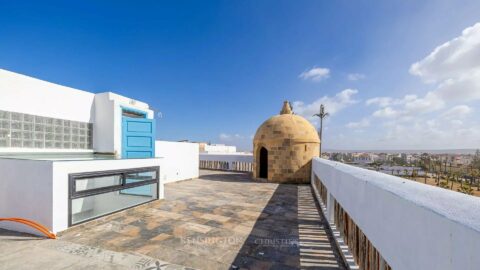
(73, 194)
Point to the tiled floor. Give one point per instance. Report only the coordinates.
(25, 252)
(220, 221)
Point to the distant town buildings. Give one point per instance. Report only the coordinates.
(368, 159)
(216, 148)
(363, 158)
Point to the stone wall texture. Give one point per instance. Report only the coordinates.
(292, 142)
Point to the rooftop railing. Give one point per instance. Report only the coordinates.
(227, 162)
(385, 222)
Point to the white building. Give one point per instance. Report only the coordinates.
(462, 160)
(217, 148)
(363, 158)
(68, 156)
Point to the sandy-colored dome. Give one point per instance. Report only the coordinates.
(283, 148)
(287, 126)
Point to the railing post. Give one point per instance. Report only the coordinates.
(382, 263)
(330, 208)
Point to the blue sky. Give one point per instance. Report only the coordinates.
(217, 69)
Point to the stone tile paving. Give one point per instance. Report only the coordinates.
(222, 220)
(24, 251)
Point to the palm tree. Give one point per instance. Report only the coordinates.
(321, 114)
(414, 174)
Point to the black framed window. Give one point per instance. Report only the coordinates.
(96, 194)
(95, 182)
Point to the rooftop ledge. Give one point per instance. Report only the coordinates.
(452, 205)
(412, 225)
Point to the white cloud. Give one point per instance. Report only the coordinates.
(454, 67)
(315, 74)
(465, 87)
(332, 104)
(355, 76)
(360, 124)
(224, 137)
(409, 105)
(427, 133)
(457, 113)
(442, 117)
(380, 101)
(242, 142)
(415, 105)
(386, 112)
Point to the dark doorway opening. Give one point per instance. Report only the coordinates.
(263, 163)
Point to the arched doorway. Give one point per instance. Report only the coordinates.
(263, 163)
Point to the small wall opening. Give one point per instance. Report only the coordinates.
(133, 113)
(263, 163)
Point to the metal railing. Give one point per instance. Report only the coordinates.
(226, 166)
(227, 162)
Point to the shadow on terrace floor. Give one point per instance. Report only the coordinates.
(289, 234)
(7, 235)
(225, 177)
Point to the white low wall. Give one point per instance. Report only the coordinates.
(232, 160)
(26, 192)
(413, 225)
(38, 189)
(179, 160)
(61, 170)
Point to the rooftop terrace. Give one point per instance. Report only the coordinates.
(221, 220)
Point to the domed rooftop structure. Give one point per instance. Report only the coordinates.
(287, 125)
(284, 146)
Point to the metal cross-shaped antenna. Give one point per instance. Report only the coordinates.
(322, 114)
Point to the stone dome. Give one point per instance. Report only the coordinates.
(283, 148)
(287, 126)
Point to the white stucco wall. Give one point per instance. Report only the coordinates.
(38, 190)
(26, 192)
(104, 124)
(23, 94)
(107, 128)
(220, 148)
(414, 226)
(62, 169)
(234, 157)
(179, 160)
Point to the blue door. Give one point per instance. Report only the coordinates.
(138, 140)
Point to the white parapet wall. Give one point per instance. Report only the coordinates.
(179, 160)
(227, 161)
(412, 225)
(25, 94)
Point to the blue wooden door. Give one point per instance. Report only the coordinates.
(138, 140)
